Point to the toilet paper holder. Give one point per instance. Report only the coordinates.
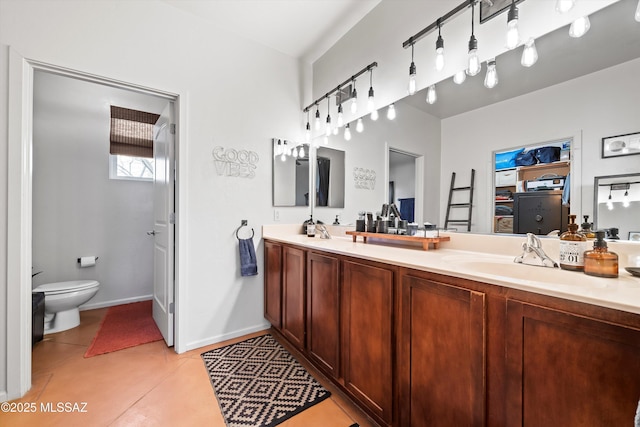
(79, 260)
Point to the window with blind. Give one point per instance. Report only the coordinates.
(131, 144)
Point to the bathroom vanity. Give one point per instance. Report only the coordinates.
(458, 337)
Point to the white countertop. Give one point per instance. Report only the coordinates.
(489, 261)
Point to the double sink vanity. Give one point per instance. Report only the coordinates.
(460, 335)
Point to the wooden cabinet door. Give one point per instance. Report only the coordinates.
(323, 312)
(442, 355)
(367, 336)
(293, 299)
(569, 370)
(273, 283)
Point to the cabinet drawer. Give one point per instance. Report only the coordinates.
(505, 178)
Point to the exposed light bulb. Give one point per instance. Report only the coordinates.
(317, 121)
(359, 125)
(283, 157)
(374, 115)
(278, 148)
(432, 96)
(335, 130)
(371, 103)
(347, 133)
(625, 199)
(491, 79)
(340, 116)
(301, 153)
(579, 27)
(610, 203)
(391, 112)
(439, 53)
(354, 99)
(412, 78)
(529, 54)
(307, 133)
(473, 62)
(459, 77)
(513, 33)
(294, 153)
(563, 6)
(638, 12)
(325, 140)
(328, 129)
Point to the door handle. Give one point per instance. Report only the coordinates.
(151, 233)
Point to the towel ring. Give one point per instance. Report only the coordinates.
(253, 233)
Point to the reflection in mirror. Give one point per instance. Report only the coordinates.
(617, 205)
(290, 174)
(329, 182)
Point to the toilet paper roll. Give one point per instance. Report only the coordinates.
(87, 261)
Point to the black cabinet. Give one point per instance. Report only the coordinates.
(539, 212)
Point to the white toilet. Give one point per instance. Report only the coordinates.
(61, 302)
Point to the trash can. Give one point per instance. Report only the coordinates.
(37, 317)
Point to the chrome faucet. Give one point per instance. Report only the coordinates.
(324, 234)
(532, 253)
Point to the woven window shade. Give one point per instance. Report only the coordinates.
(132, 132)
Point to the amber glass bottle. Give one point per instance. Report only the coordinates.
(599, 261)
(572, 247)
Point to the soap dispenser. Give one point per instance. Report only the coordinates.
(572, 247)
(599, 261)
(586, 228)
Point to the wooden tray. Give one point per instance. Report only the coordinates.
(425, 241)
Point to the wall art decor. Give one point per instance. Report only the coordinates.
(364, 179)
(235, 163)
(621, 145)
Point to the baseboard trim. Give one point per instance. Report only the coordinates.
(115, 302)
(228, 336)
(3, 396)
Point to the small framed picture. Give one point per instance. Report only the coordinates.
(489, 9)
(634, 236)
(621, 145)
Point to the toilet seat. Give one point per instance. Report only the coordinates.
(66, 287)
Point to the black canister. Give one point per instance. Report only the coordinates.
(383, 226)
(360, 225)
(371, 226)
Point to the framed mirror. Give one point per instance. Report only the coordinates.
(617, 205)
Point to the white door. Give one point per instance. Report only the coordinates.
(163, 227)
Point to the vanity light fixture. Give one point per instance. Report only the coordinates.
(473, 62)
(491, 78)
(347, 132)
(459, 77)
(432, 96)
(354, 97)
(579, 27)
(529, 54)
(439, 48)
(317, 123)
(391, 112)
(412, 74)
(513, 34)
(563, 6)
(359, 125)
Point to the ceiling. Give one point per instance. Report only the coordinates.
(614, 38)
(303, 29)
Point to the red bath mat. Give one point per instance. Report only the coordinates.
(125, 326)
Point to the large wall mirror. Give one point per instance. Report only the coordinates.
(617, 205)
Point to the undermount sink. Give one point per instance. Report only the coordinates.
(503, 266)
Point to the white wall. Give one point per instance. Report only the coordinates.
(232, 93)
(4, 78)
(403, 172)
(594, 106)
(77, 209)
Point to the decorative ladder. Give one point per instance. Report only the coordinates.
(469, 205)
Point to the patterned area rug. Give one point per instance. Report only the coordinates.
(259, 383)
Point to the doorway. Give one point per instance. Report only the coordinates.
(405, 172)
(20, 198)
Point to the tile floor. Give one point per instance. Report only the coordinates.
(147, 385)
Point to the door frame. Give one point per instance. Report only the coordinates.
(19, 208)
(418, 180)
